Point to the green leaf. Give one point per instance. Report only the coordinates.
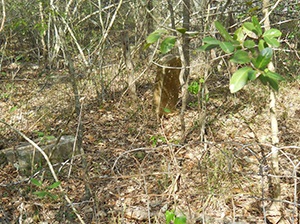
(40, 134)
(249, 44)
(272, 41)
(166, 110)
(257, 26)
(13, 109)
(193, 88)
(249, 26)
(272, 33)
(147, 45)
(227, 47)
(36, 182)
(273, 83)
(54, 185)
(210, 43)
(154, 36)
(192, 33)
(262, 45)
(180, 220)
(249, 30)
(240, 57)
(263, 79)
(169, 216)
(223, 31)
(263, 59)
(239, 35)
(274, 75)
(40, 194)
(53, 196)
(210, 40)
(181, 30)
(252, 75)
(207, 47)
(50, 137)
(273, 78)
(239, 79)
(167, 44)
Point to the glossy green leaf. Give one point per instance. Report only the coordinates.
(274, 75)
(272, 33)
(273, 83)
(227, 47)
(272, 41)
(223, 31)
(239, 35)
(210, 40)
(167, 44)
(249, 44)
(239, 79)
(257, 26)
(262, 45)
(154, 36)
(249, 26)
(207, 47)
(263, 79)
(252, 75)
(264, 58)
(240, 57)
(250, 33)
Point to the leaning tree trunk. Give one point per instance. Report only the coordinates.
(274, 211)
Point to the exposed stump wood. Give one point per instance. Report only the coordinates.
(167, 85)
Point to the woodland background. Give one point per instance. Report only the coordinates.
(81, 68)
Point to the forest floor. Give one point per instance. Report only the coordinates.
(138, 169)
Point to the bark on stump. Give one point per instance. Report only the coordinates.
(167, 85)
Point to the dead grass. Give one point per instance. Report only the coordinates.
(137, 169)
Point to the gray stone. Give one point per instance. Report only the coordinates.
(24, 155)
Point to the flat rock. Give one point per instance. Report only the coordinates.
(24, 155)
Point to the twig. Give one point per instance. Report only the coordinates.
(4, 15)
(49, 165)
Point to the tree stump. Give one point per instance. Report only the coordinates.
(167, 85)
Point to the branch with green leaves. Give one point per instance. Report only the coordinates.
(167, 41)
(251, 49)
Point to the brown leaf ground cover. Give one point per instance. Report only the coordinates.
(137, 169)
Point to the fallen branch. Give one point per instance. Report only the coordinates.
(49, 165)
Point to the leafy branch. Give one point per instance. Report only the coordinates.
(251, 48)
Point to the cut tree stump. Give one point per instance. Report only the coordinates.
(167, 85)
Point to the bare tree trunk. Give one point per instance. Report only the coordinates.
(150, 27)
(274, 212)
(78, 110)
(185, 57)
(129, 64)
(43, 33)
(170, 7)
